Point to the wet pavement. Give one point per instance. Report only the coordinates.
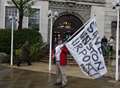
(18, 78)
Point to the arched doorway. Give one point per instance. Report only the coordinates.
(64, 26)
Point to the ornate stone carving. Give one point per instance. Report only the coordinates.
(88, 1)
(92, 1)
(82, 10)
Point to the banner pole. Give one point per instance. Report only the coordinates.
(11, 62)
(117, 46)
(50, 50)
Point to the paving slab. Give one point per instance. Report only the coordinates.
(18, 77)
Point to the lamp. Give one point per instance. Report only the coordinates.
(12, 19)
(116, 5)
(51, 15)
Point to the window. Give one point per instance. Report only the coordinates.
(10, 11)
(33, 22)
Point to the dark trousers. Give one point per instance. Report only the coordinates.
(22, 60)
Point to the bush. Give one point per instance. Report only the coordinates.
(4, 58)
(5, 41)
(20, 36)
(39, 51)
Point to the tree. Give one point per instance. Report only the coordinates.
(24, 8)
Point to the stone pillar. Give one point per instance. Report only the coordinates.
(2, 14)
(99, 14)
(43, 23)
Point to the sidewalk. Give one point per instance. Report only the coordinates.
(71, 70)
(19, 78)
(36, 76)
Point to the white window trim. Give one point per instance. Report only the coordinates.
(36, 7)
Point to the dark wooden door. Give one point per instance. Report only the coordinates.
(64, 27)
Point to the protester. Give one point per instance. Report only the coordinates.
(111, 44)
(104, 45)
(25, 54)
(104, 40)
(61, 61)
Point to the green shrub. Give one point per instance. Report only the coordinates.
(5, 41)
(39, 51)
(31, 35)
(20, 36)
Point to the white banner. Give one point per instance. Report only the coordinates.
(85, 47)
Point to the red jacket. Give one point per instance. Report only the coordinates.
(63, 56)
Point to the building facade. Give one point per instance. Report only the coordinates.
(72, 14)
(68, 16)
(38, 20)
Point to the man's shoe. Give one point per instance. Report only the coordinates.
(29, 64)
(63, 85)
(58, 83)
(18, 64)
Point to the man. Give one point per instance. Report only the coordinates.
(104, 45)
(61, 61)
(104, 40)
(25, 54)
(111, 45)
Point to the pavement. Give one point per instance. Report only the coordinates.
(71, 70)
(37, 76)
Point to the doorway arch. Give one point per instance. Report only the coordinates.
(64, 26)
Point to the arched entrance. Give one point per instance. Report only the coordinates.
(64, 26)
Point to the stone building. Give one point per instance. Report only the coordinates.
(68, 16)
(39, 20)
(72, 14)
